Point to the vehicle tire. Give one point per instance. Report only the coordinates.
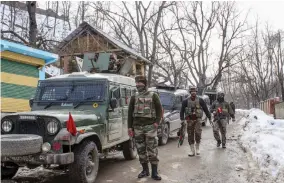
(163, 140)
(85, 167)
(9, 170)
(20, 144)
(129, 149)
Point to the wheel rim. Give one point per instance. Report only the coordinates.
(90, 165)
(165, 134)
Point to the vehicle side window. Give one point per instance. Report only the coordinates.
(178, 102)
(133, 91)
(116, 94)
(125, 96)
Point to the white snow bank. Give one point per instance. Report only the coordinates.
(263, 136)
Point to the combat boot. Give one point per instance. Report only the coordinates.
(192, 148)
(197, 149)
(218, 143)
(145, 171)
(155, 174)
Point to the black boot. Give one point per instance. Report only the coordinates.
(218, 143)
(155, 174)
(223, 145)
(145, 171)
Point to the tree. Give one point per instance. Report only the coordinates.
(138, 20)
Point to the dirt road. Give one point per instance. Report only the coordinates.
(214, 165)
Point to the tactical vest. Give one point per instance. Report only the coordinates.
(223, 106)
(193, 107)
(144, 106)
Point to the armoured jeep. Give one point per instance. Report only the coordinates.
(171, 99)
(98, 105)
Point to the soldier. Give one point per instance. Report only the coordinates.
(192, 108)
(233, 106)
(221, 110)
(144, 116)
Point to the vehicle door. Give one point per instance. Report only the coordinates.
(125, 99)
(115, 124)
(175, 115)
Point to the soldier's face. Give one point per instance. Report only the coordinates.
(193, 94)
(140, 86)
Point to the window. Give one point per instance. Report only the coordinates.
(125, 96)
(70, 91)
(116, 94)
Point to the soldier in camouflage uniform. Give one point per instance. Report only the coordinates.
(144, 116)
(221, 110)
(192, 108)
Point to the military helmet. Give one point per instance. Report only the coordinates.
(221, 94)
(141, 78)
(192, 89)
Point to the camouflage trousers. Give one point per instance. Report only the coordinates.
(194, 131)
(146, 143)
(220, 125)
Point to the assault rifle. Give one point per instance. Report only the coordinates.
(181, 134)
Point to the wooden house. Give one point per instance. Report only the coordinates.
(98, 49)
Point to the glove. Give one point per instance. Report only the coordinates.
(130, 132)
(234, 120)
(156, 125)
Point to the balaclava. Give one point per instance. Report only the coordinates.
(220, 96)
(142, 79)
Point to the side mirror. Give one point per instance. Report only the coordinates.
(31, 102)
(113, 103)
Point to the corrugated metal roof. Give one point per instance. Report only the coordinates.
(85, 26)
(29, 51)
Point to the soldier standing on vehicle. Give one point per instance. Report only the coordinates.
(221, 110)
(144, 116)
(192, 111)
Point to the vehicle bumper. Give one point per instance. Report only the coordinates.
(41, 159)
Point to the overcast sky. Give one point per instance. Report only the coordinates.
(271, 11)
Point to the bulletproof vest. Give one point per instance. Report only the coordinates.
(143, 106)
(193, 107)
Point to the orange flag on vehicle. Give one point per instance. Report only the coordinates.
(71, 127)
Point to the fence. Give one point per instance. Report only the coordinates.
(268, 106)
(279, 110)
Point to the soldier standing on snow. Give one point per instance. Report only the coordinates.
(192, 111)
(221, 110)
(144, 116)
(233, 107)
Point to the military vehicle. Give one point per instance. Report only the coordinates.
(98, 104)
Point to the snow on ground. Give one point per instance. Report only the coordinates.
(263, 136)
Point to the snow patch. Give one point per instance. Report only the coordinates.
(263, 136)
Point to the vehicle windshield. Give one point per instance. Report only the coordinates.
(167, 100)
(70, 91)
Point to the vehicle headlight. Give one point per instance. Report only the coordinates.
(52, 127)
(7, 126)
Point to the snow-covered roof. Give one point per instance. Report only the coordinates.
(28, 51)
(176, 92)
(85, 26)
(111, 77)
